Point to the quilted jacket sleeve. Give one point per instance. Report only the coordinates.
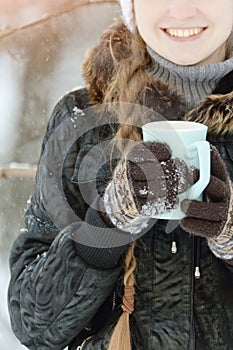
(53, 293)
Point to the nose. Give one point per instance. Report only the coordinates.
(182, 9)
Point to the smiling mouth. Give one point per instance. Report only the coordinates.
(184, 32)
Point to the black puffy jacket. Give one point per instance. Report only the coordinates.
(59, 297)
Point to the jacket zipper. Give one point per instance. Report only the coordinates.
(192, 330)
(81, 347)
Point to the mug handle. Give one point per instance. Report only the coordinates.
(203, 150)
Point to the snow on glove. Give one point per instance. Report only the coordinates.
(213, 218)
(146, 182)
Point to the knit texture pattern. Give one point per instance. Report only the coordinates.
(194, 83)
(146, 182)
(213, 217)
(222, 245)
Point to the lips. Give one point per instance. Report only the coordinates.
(184, 32)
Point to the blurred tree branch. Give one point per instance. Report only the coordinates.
(23, 169)
(17, 170)
(9, 31)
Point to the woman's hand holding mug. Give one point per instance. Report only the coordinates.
(146, 183)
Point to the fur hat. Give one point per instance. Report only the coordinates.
(127, 11)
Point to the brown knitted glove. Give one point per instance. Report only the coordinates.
(213, 218)
(146, 182)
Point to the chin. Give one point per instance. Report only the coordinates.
(185, 62)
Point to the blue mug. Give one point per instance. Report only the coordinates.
(187, 141)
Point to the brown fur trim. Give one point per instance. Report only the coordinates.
(216, 112)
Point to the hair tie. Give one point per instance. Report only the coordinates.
(128, 299)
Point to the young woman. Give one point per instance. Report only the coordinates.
(93, 269)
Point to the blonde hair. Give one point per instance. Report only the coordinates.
(128, 87)
(117, 78)
(120, 339)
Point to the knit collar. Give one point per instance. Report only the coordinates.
(197, 74)
(192, 83)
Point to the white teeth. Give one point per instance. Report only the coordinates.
(184, 33)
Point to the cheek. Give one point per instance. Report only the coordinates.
(224, 28)
(146, 15)
(222, 17)
(146, 28)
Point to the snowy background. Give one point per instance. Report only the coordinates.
(42, 45)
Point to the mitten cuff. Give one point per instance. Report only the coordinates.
(222, 245)
(120, 217)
